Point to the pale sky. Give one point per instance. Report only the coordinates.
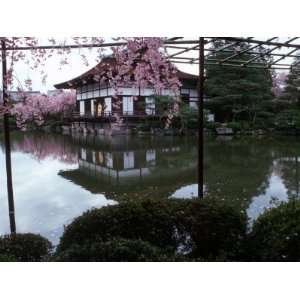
(57, 74)
(77, 67)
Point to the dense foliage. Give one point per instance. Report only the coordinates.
(236, 93)
(288, 119)
(35, 109)
(185, 117)
(291, 92)
(206, 230)
(276, 234)
(24, 248)
(213, 229)
(195, 231)
(113, 250)
(152, 221)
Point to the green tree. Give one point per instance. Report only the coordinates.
(292, 89)
(237, 93)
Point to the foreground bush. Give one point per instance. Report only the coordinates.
(212, 229)
(150, 221)
(276, 234)
(24, 247)
(7, 258)
(203, 229)
(121, 250)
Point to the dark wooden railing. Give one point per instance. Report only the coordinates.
(109, 115)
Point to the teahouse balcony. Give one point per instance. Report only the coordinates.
(110, 116)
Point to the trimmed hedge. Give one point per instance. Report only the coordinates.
(276, 234)
(206, 230)
(203, 229)
(151, 221)
(212, 229)
(24, 247)
(121, 250)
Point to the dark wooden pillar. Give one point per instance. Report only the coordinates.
(10, 192)
(200, 119)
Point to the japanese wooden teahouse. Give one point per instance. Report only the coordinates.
(95, 107)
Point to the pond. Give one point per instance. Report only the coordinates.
(56, 178)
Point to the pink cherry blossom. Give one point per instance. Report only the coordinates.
(141, 62)
(36, 108)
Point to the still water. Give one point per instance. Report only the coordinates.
(56, 178)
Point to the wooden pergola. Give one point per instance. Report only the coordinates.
(269, 53)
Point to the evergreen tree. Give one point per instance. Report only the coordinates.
(292, 89)
(234, 92)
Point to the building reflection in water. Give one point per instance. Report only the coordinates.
(128, 164)
(247, 173)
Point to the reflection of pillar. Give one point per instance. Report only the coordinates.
(118, 178)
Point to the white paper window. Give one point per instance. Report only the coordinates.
(108, 106)
(151, 156)
(126, 91)
(109, 160)
(211, 117)
(194, 93)
(129, 160)
(97, 93)
(194, 104)
(81, 108)
(92, 107)
(150, 106)
(103, 92)
(185, 91)
(111, 92)
(83, 154)
(147, 92)
(127, 105)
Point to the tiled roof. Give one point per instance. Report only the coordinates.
(102, 67)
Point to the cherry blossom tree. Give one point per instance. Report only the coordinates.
(37, 108)
(140, 63)
(143, 63)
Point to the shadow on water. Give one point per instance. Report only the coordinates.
(57, 178)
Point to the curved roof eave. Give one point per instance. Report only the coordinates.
(77, 81)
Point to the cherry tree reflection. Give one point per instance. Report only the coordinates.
(46, 146)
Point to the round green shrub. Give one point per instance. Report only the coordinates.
(151, 221)
(115, 250)
(211, 229)
(195, 229)
(25, 247)
(276, 234)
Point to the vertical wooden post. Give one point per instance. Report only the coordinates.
(200, 119)
(297, 177)
(10, 193)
